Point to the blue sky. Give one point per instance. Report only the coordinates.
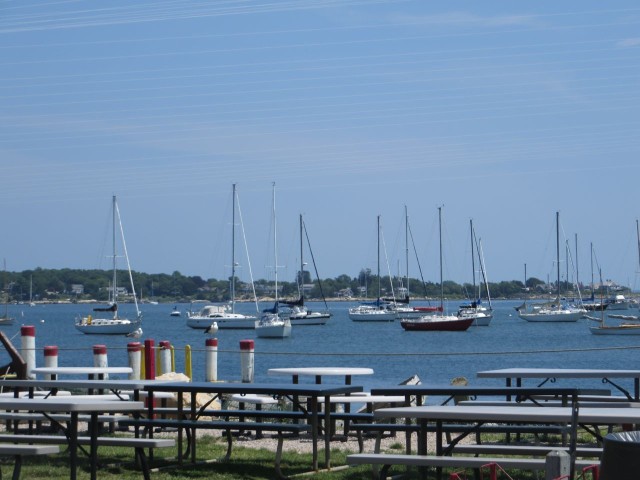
(503, 112)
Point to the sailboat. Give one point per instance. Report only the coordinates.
(5, 319)
(299, 314)
(113, 325)
(378, 311)
(271, 324)
(481, 315)
(557, 311)
(402, 306)
(622, 328)
(440, 321)
(225, 315)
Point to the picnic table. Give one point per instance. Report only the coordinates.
(440, 414)
(91, 372)
(318, 372)
(312, 393)
(73, 406)
(551, 374)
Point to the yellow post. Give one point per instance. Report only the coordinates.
(187, 362)
(143, 369)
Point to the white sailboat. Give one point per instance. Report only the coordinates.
(225, 315)
(271, 324)
(113, 324)
(379, 310)
(298, 312)
(557, 311)
(481, 315)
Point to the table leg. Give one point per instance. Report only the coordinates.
(327, 432)
(314, 431)
(73, 445)
(93, 449)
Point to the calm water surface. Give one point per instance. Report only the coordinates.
(394, 354)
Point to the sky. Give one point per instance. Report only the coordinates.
(497, 111)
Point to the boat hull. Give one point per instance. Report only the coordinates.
(433, 324)
(557, 316)
(360, 314)
(619, 330)
(225, 322)
(273, 328)
(310, 319)
(108, 326)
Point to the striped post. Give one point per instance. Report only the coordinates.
(134, 349)
(246, 360)
(28, 352)
(211, 361)
(50, 359)
(100, 357)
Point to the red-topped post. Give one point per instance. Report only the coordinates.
(211, 360)
(134, 350)
(28, 342)
(50, 358)
(246, 360)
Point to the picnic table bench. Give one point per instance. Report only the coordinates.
(227, 426)
(19, 451)
(138, 444)
(387, 460)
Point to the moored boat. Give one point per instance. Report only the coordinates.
(113, 325)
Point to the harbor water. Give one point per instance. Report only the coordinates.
(394, 355)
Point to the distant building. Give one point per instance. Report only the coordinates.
(77, 289)
(345, 293)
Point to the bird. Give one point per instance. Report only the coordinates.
(135, 334)
(211, 329)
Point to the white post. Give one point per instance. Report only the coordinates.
(50, 359)
(100, 358)
(246, 360)
(557, 464)
(165, 357)
(211, 361)
(134, 349)
(28, 337)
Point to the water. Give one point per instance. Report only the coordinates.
(436, 357)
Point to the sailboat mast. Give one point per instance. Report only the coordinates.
(379, 259)
(473, 261)
(558, 251)
(275, 242)
(301, 262)
(440, 235)
(592, 295)
(406, 245)
(638, 236)
(233, 251)
(114, 283)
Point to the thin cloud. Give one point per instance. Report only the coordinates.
(629, 42)
(468, 19)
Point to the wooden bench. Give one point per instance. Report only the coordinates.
(387, 460)
(19, 451)
(138, 444)
(190, 427)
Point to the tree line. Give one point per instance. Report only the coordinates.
(77, 285)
